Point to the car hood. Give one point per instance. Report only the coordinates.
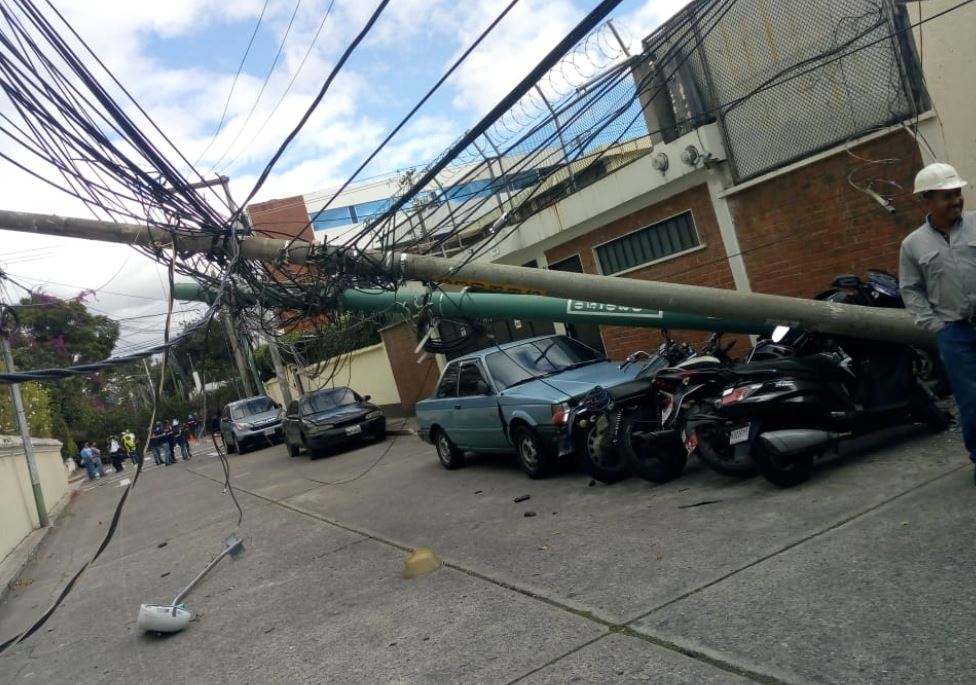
(259, 418)
(574, 381)
(340, 413)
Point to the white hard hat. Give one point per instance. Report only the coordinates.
(938, 176)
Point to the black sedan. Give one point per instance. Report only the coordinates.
(323, 418)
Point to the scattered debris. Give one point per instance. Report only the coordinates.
(478, 492)
(529, 514)
(522, 498)
(268, 630)
(699, 504)
(161, 545)
(164, 574)
(592, 483)
(420, 561)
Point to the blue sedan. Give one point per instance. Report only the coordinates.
(513, 397)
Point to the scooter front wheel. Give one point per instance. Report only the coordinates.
(658, 461)
(596, 453)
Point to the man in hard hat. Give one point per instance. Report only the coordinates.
(938, 284)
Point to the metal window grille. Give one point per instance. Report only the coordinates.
(649, 244)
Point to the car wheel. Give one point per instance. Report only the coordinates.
(237, 445)
(231, 444)
(533, 454)
(450, 456)
(380, 435)
(293, 450)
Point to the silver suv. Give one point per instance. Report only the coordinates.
(251, 422)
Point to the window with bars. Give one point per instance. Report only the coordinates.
(648, 244)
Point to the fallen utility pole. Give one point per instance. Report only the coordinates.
(474, 305)
(770, 310)
(20, 416)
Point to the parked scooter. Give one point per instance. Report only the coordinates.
(650, 437)
(595, 423)
(783, 414)
(880, 289)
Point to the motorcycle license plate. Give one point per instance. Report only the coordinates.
(739, 435)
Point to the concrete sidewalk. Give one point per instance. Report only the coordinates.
(861, 575)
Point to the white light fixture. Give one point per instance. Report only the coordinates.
(690, 155)
(660, 162)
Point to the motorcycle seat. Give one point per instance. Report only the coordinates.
(820, 365)
(630, 388)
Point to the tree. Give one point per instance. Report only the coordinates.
(205, 351)
(54, 332)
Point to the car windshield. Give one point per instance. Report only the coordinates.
(538, 358)
(328, 399)
(258, 405)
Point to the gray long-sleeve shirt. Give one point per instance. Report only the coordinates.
(938, 277)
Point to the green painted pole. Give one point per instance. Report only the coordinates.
(536, 308)
(477, 305)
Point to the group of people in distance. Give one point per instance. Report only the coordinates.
(164, 439)
(166, 436)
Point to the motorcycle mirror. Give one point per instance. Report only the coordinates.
(779, 333)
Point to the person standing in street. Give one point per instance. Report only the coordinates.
(182, 434)
(156, 442)
(115, 452)
(86, 461)
(215, 428)
(129, 445)
(937, 270)
(170, 443)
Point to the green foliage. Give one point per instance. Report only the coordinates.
(205, 351)
(55, 332)
(37, 407)
(349, 332)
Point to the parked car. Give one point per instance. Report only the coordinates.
(249, 422)
(514, 396)
(323, 418)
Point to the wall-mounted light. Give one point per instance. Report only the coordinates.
(690, 155)
(660, 162)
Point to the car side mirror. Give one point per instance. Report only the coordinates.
(367, 398)
(482, 388)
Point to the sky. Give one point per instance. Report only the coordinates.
(178, 58)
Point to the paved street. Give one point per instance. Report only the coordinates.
(861, 575)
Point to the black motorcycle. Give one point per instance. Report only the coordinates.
(651, 437)
(594, 421)
(880, 289)
(603, 420)
(783, 414)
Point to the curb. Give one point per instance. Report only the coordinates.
(16, 561)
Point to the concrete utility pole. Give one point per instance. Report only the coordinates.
(242, 370)
(280, 372)
(21, 418)
(826, 317)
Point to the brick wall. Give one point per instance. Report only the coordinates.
(707, 266)
(284, 218)
(799, 230)
(414, 381)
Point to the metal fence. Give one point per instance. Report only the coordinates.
(787, 78)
